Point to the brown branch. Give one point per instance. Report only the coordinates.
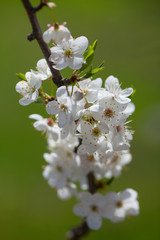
(92, 182)
(37, 34)
(40, 6)
(80, 231)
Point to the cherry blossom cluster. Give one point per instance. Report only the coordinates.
(86, 129)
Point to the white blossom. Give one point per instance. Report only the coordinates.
(61, 168)
(91, 208)
(29, 89)
(108, 110)
(92, 134)
(112, 85)
(43, 70)
(120, 205)
(56, 33)
(45, 125)
(64, 107)
(69, 53)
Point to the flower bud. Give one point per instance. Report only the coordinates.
(51, 4)
(78, 95)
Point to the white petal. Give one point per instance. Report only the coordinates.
(92, 95)
(94, 221)
(53, 133)
(47, 35)
(35, 117)
(79, 45)
(62, 119)
(35, 95)
(86, 198)
(129, 109)
(81, 210)
(76, 62)
(60, 63)
(111, 83)
(25, 101)
(85, 84)
(33, 79)
(48, 157)
(126, 158)
(126, 92)
(111, 197)
(128, 194)
(97, 83)
(52, 108)
(56, 52)
(99, 200)
(64, 132)
(61, 91)
(64, 193)
(40, 125)
(21, 87)
(132, 208)
(43, 68)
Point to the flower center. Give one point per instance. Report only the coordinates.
(90, 157)
(108, 113)
(68, 53)
(114, 159)
(59, 168)
(50, 122)
(118, 128)
(63, 107)
(85, 91)
(94, 208)
(96, 132)
(119, 204)
(69, 154)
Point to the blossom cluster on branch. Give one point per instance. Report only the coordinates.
(86, 127)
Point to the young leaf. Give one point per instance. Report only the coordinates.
(132, 95)
(89, 55)
(92, 71)
(21, 76)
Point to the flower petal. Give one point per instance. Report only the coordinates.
(79, 45)
(76, 62)
(52, 108)
(35, 117)
(81, 210)
(62, 119)
(94, 221)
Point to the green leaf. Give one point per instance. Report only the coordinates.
(96, 70)
(134, 91)
(21, 76)
(89, 55)
(92, 71)
(94, 45)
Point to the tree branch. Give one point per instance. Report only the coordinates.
(92, 183)
(80, 231)
(37, 34)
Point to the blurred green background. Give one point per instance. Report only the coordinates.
(129, 42)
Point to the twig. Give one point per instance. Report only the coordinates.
(91, 182)
(80, 231)
(37, 34)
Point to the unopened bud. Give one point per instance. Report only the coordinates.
(51, 5)
(78, 95)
